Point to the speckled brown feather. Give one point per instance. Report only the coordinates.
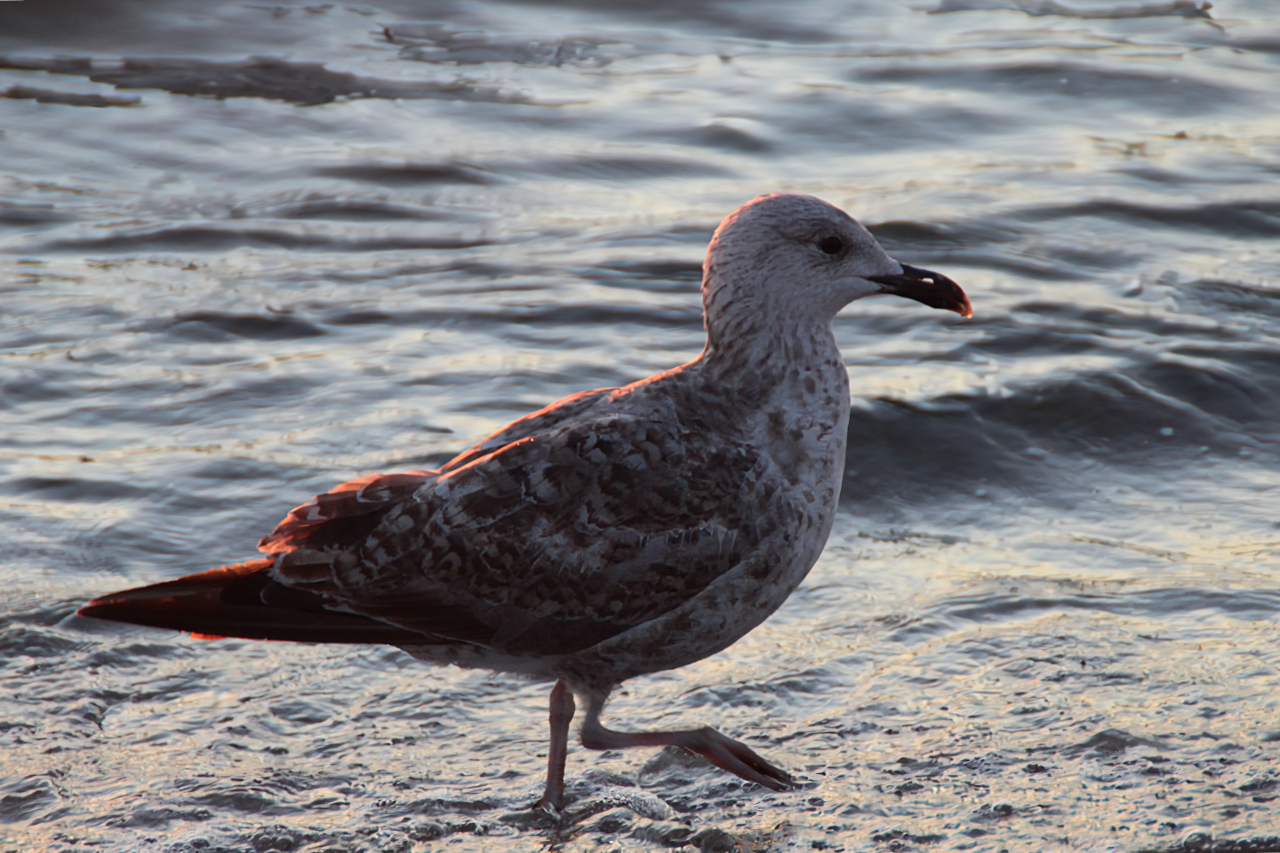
(587, 519)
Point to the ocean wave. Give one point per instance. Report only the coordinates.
(1200, 402)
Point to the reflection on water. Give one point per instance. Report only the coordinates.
(251, 250)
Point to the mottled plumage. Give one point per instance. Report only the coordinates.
(616, 532)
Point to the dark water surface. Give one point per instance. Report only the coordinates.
(250, 250)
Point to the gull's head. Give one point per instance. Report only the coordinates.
(795, 256)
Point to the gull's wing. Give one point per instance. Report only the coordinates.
(575, 528)
(548, 545)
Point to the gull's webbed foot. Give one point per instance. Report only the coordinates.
(724, 752)
(736, 757)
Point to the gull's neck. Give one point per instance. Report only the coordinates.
(755, 338)
(774, 355)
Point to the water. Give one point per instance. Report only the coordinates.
(251, 250)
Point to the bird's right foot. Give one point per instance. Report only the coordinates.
(738, 758)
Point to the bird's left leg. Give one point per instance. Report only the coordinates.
(562, 709)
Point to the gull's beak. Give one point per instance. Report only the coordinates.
(931, 288)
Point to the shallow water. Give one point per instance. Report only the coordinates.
(251, 250)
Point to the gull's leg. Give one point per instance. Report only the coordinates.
(562, 708)
(723, 752)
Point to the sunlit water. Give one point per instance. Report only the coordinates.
(250, 250)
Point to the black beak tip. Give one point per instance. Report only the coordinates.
(927, 287)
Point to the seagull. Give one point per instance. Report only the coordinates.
(614, 533)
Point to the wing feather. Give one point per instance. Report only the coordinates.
(554, 540)
(234, 601)
(566, 528)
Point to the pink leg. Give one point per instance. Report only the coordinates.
(723, 752)
(562, 709)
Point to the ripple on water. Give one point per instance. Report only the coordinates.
(1047, 618)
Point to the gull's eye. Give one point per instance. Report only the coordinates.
(831, 245)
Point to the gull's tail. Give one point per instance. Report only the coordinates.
(242, 600)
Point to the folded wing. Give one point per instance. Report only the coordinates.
(548, 543)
